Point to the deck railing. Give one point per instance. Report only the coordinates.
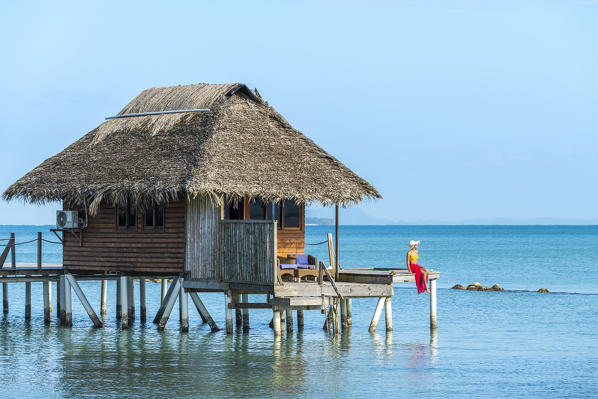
(247, 251)
(8, 245)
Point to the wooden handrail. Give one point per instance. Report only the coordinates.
(323, 267)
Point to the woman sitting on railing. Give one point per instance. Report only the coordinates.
(421, 273)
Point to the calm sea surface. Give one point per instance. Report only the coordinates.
(498, 344)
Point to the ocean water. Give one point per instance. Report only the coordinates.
(499, 344)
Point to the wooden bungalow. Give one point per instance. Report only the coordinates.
(206, 182)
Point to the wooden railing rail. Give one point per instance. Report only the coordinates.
(11, 247)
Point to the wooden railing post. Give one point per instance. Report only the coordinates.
(39, 250)
(13, 258)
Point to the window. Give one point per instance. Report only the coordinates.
(234, 211)
(288, 214)
(154, 216)
(258, 210)
(127, 215)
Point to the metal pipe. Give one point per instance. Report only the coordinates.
(177, 111)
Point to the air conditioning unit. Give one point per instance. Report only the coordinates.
(67, 219)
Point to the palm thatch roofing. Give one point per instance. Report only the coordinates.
(240, 147)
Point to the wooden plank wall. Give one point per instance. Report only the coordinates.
(291, 241)
(137, 250)
(247, 251)
(202, 218)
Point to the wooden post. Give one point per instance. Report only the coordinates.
(336, 318)
(58, 301)
(68, 304)
(39, 250)
(228, 299)
(13, 256)
(327, 319)
(164, 284)
(171, 292)
(124, 296)
(131, 298)
(238, 313)
(203, 311)
(119, 301)
(83, 299)
(245, 299)
(349, 312)
(47, 295)
(61, 299)
(5, 298)
(377, 314)
(103, 295)
(276, 321)
(168, 303)
(388, 313)
(142, 308)
(433, 323)
(50, 296)
(299, 318)
(343, 303)
(336, 268)
(289, 319)
(28, 300)
(184, 307)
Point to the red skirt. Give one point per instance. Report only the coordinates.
(419, 278)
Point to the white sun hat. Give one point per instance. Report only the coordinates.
(413, 243)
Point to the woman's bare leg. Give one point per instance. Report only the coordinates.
(425, 277)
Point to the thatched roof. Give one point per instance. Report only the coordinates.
(241, 146)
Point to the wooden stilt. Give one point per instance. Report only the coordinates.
(171, 291)
(5, 298)
(433, 323)
(58, 303)
(131, 298)
(27, 300)
(299, 318)
(169, 301)
(203, 311)
(377, 314)
(388, 313)
(47, 295)
(184, 308)
(119, 302)
(349, 311)
(164, 284)
(276, 321)
(142, 308)
(50, 296)
(124, 296)
(336, 322)
(228, 299)
(79, 292)
(68, 304)
(103, 295)
(344, 322)
(238, 313)
(327, 319)
(289, 317)
(245, 299)
(62, 299)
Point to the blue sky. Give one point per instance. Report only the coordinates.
(455, 110)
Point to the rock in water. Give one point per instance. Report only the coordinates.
(497, 287)
(543, 290)
(474, 287)
(458, 287)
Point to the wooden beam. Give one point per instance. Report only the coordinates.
(377, 314)
(163, 305)
(28, 300)
(169, 301)
(326, 289)
(124, 323)
(245, 299)
(142, 307)
(103, 295)
(228, 298)
(388, 313)
(46, 286)
(5, 298)
(68, 304)
(276, 321)
(203, 311)
(79, 292)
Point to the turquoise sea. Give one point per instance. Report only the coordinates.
(497, 344)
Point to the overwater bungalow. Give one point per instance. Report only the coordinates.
(206, 183)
